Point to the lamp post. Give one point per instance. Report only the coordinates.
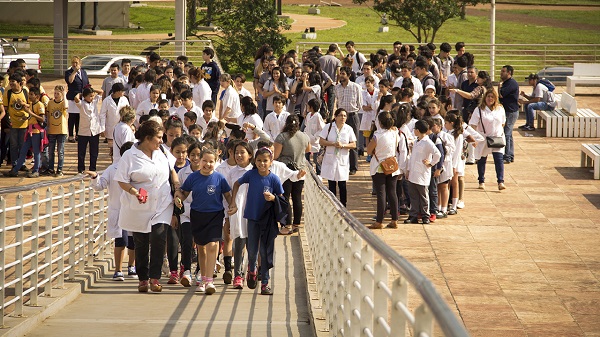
(493, 39)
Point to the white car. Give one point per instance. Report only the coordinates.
(8, 52)
(99, 64)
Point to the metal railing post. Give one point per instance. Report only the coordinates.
(72, 251)
(90, 227)
(2, 256)
(366, 284)
(35, 231)
(423, 321)
(48, 243)
(380, 299)
(19, 257)
(81, 243)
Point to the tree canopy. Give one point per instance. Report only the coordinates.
(421, 18)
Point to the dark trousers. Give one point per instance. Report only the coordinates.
(433, 194)
(295, 190)
(385, 186)
(330, 101)
(17, 139)
(186, 239)
(419, 199)
(149, 261)
(73, 124)
(255, 244)
(82, 144)
(354, 122)
(4, 147)
(401, 193)
(173, 248)
(343, 190)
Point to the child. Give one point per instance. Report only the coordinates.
(109, 112)
(122, 238)
(91, 127)
(189, 119)
(369, 109)
(195, 131)
(211, 71)
(238, 225)
(14, 100)
(207, 212)
(111, 80)
(314, 124)
(250, 116)
(433, 109)
(455, 129)
(208, 108)
(275, 120)
(179, 148)
(423, 156)
(186, 240)
(187, 105)
(430, 91)
(436, 171)
(173, 129)
(263, 187)
(57, 129)
(151, 103)
(201, 91)
(33, 136)
(163, 104)
(176, 104)
(448, 149)
(214, 131)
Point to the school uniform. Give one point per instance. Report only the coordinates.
(368, 117)
(238, 225)
(111, 113)
(274, 123)
(450, 148)
(231, 99)
(419, 176)
(204, 124)
(142, 93)
(91, 125)
(201, 93)
(57, 131)
(122, 133)
(336, 163)
(107, 181)
(252, 119)
(144, 109)
(186, 238)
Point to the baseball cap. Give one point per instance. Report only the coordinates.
(532, 76)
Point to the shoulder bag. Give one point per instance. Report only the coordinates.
(493, 142)
(388, 165)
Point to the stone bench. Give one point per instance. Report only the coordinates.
(583, 73)
(568, 121)
(590, 155)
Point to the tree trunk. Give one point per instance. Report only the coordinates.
(191, 16)
(463, 11)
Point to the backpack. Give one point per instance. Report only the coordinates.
(547, 84)
(357, 56)
(438, 86)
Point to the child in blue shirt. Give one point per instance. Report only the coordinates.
(263, 186)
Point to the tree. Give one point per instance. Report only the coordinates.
(244, 26)
(421, 18)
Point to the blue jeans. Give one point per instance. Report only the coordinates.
(498, 163)
(16, 137)
(256, 243)
(56, 140)
(509, 150)
(34, 141)
(531, 107)
(433, 194)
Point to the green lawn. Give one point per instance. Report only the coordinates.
(586, 17)
(552, 2)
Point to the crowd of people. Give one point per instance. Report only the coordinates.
(198, 160)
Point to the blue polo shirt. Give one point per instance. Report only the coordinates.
(207, 191)
(257, 185)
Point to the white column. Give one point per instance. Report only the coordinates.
(61, 33)
(493, 40)
(180, 27)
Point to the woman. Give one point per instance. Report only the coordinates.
(338, 138)
(123, 132)
(290, 148)
(383, 145)
(201, 91)
(489, 119)
(143, 174)
(76, 79)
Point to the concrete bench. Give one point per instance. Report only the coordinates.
(583, 73)
(590, 154)
(569, 121)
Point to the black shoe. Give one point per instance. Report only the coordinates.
(523, 126)
(11, 173)
(352, 172)
(452, 211)
(105, 140)
(529, 128)
(227, 276)
(506, 161)
(412, 220)
(426, 221)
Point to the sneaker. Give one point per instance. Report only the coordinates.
(182, 271)
(285, 231)
(441, 215)
(481, 186)
(501, 186)
(227, 276)
(118, 276)
(35, 174)
(218, 266)
(432, 218)
(251, 280)
(198, 278)
(452, 211)
(523, 126)
(210, 288)
(11, 173)
(426, 221)
(165, 266)
(529, 128)
(24, 169)
(143, 286)
(352, 172)
(460, 204)
(173, 278)
(131, 272)
(200, 287)
(411, 220)
(266, 290)
(47, 172)
(155, 286)
(186, 279)
(238, 282)
(58, 173)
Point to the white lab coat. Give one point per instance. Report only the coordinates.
(238, 225)
(493, 122)
(336, 162)
(102, 182)
(110, 113)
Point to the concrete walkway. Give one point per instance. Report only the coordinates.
(111, 308)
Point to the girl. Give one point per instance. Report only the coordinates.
(214, 131)
(238, 225)
(239, 80)
(109, 112)
(91, 127)
(276, 86)
(123, 132)
(195, 131)
(263, 186)
(57, 129)
(179, 148)
(134, 83)
(447, 171)
(230, 100)
(193, 152)
(314, 125)
(385, 104)
(370, 102)
(201, 91)
(250, 115)
(454, 125)
(207, 213)
(176, 103)
(433, 110)
(148, 104)
(174, 129)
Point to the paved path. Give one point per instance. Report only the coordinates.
(115, 308)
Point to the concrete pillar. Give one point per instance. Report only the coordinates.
(95, 25)
(82, 25)
(180, 27)
(61, 33)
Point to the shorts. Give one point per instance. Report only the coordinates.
(207, 227)
(366, 134)
(125, 241)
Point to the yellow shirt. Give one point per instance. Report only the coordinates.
(38, 109)
(16, 111)
(58, 117)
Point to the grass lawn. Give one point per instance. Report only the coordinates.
(569, 16)
(552, 2)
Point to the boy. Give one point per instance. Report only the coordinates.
(163, 104)
(436, 171)
(424, 156)
(14, 100)
(189, 118)
(57, 129)
(211, 69)
(34, 135)
(275, 121)
(187, 105)
(125, 69)
(112, 79)
(208, 108)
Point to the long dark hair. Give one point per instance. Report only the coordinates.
(292, 125)
(248, 106)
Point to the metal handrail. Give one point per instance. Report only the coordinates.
(441, 313)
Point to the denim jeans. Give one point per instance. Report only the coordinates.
(531, 107)
(34, 141)
(314, 161)
(509, 150)
(498, 163)
(149, 251)
(54, 142)
(16, 139)
(256, 243)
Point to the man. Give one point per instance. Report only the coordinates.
(540, 99)
(112, 79)
(396, 53)
(446, 63)
(508, 91)
(460, 49)
(359, 58)
(468, 86)
(405, 72)
(349, 97)
(423, 74)
(331, 65)
(461, 76)
(367, 70)
(431, 64)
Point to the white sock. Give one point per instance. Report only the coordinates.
(454, 203)
(444, 209)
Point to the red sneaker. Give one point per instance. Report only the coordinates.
(174, 278)
(238, 282)
(432, 217)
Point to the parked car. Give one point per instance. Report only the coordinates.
(556, 74)
(9, 53)
(99, 64)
